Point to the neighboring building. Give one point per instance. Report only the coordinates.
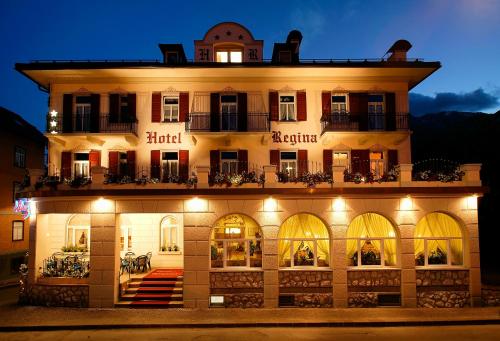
(22, 147)
(221, 169)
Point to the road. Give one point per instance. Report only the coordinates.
(455, 333)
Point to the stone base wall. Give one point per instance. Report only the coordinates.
(362, 300)
(442, 278)
(240, 280)
(443, 299)
(310, 289)
(243, 300)
(364, 286)
(57, 295)
(305, 279)
(491, 296)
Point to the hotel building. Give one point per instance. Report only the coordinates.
(236, 181)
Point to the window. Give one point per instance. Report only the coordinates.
(122, 164)
(124, 106)
(339, 103)
(377, 165)
(303, 242)
(438, 241)
(341, 159)
(169, 234)
(288, 163)
(16, 187)
(287, 107)
(19, 157)
(170, 109)
(125, 239)
(169, 166)
(229, 162)
(371, 242)
(17, 230)
(82, 117)
(172, 57)
(235, 242)
(81, 165)
(78, 232)
(229, 109)
(376, 112)
(229, 56)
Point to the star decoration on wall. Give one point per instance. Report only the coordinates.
(228, 33)
(217, 37)
(240, 37)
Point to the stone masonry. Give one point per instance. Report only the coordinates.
(311, 289)
(364, 286)
(58, 295)
(491, 296)
(442, 288)
(240, 289)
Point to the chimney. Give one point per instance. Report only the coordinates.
(398, 51)
(295, 38)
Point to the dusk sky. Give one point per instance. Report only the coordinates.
(463, 35)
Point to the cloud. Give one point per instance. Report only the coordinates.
(476, 100)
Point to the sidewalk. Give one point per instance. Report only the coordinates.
(17, 318)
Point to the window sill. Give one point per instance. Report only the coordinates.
(372, 267)
(303, 268)
(170, 122)
(170, 252)
(287, 121)
(235, 269)
(441, 267)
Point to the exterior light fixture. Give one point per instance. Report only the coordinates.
(197, 205)
(102, 205)
(338, 205)
(471, 202)
(406, 204)
(53, 122)
(270, 205)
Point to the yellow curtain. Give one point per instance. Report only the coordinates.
(439, 225)
(303, 226)
(372, 225)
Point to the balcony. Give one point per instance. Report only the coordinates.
(345, 121)
(87, 123)
(205, 122)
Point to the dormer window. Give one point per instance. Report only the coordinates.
(229, 55)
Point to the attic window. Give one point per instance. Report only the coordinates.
(229, 56)
(172, 58)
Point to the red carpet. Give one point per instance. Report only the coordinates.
(165, 273)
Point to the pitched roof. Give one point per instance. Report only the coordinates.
(10, 122)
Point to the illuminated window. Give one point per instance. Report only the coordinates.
(229, 162)
(81, 165)
(287, 107)
(341, 159)
(229, 56)
(17, 230)
(339, 103)
(169, 234)
(371, 242)
(170, 109)
(82, 113)
(236, 242)
(376, 112)
(78, 233)
(377, 164)
(438, 241)
(303, 242)
(288, 163)
(169, 166)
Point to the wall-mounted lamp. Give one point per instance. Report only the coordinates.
(53, 122)
(471, 202)
(270, 205)
(338, 205)
(406, 204)
(102, 205)
(196, 205)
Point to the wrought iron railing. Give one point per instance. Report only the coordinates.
(345, 121)
(233, 122)
(87, 123)
(62, 264)
(142, 174)
(235, 173)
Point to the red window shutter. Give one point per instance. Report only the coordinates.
(214, 161)
(132, 107)
(156, 107)
(302, 162)
(155, 164)
(301, 106)
(114, 108)
(131, 163)
(273, 106)
(358, 107)
(326, 105)
(183, 106)
(65, 165)
(243, 161)
(360, 161)
(113, 163)
(274, 158)
(94, 158)
(327, 161)
(183, 164)
(67, 114)
(392, 158)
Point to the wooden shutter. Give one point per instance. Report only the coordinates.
(390, 111)
(114, 108)
(132, 108)
(327, 161)
(326, 105)
(214, 161)
(131, 163)
(94, 158)
(274, 108)
(155, 164)
(113, 163)
(156, 107)
(301, 106)
(214, 112)
(360, 161)
(392, 158)
(358, 107)
(67, 114)
(302, 166)
(95, 102)
(274, 158)
(65, 165)
(243, 161)
(184, 106)
(242, 111)
(184, 164)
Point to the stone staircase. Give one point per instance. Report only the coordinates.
(159, 291)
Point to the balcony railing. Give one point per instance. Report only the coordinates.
(205, 122)
(345, 121)
(87, 123)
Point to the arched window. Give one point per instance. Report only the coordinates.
(78, 233)
(236, 242)
(169, 234)
(371, 241)
(303, 242)
(438, 241)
